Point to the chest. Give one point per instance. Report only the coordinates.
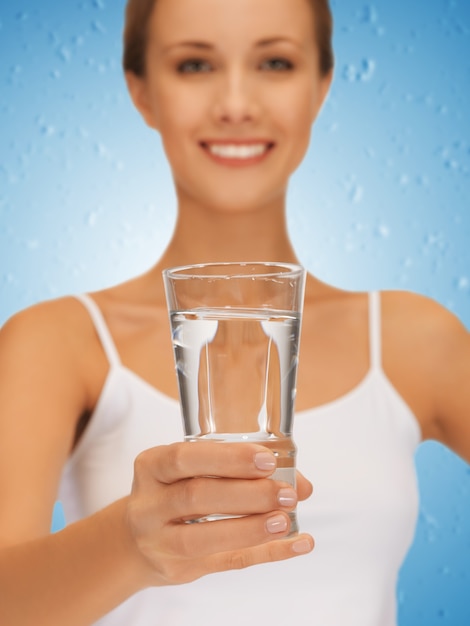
(334, 356)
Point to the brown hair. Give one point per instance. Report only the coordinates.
(138, 13)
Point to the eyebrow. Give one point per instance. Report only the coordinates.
(203, 45)
(273, 40)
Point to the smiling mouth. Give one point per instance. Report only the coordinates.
(237, 151)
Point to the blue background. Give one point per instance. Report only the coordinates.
(381, 201)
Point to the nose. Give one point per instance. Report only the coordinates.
(236, 101)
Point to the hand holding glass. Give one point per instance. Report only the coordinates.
(236, 330)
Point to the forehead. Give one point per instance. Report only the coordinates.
(231, 22)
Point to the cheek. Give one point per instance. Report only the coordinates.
(297, 115)
(296, 110)
(178, 131)
(180, 116)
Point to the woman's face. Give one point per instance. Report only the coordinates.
(233, 87)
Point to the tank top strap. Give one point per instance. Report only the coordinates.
(101, 328)
(375, 331)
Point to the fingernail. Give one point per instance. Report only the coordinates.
(302, 546)
(287, 497)
(276, 524)
(265, 461)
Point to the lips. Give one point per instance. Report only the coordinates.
(237, 152)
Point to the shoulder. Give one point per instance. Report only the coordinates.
(48, 323)
(48, 343)
(419, 319)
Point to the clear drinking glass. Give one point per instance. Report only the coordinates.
(235, 330)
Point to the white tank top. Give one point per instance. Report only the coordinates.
(357, 450)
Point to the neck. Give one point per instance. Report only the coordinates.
(203, 236)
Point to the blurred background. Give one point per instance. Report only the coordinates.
(381, 201)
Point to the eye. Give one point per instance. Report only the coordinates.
(194, 66)
(277, 64)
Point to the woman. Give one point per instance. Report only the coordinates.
(233, 89)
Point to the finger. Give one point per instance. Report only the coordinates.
(196, 497)
(177, 461)
(204, 538)
(177, 570)
(278, 550)
(304, 487)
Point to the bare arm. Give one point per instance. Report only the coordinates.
(451, 377)
(427, 352)
(77, 575)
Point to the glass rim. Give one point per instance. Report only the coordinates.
(187, 271)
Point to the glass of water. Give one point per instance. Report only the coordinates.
(235, 330)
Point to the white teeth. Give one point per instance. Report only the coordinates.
(232, 151)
